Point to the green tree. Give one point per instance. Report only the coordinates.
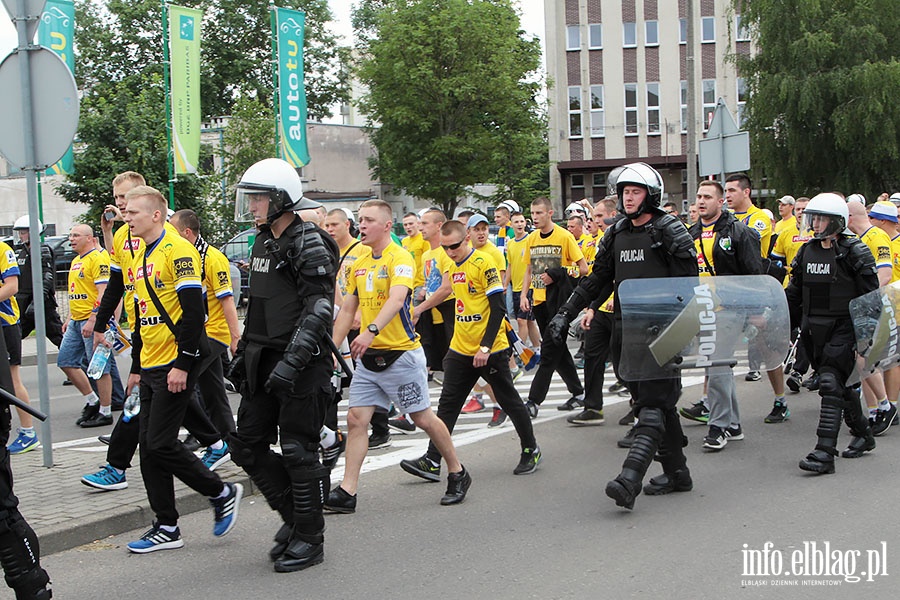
(451, 91)
(823, 112)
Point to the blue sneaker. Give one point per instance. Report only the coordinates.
(107, 478)
(226, 509)
(23, 443)
(212, 459)
(156, 538)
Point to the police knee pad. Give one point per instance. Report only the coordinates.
(651, 421)
(20, 558)
(242, 453)
(302, 460)
(829, 385)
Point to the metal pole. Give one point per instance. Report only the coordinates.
(273, 19)
(170, 152)
(34, 234)
(691, 66)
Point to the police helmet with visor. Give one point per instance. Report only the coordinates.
(829, 206)
(641, 175)
(279, 182)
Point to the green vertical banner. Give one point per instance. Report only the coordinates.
(184, 56)
(289, 25)
(57, 31)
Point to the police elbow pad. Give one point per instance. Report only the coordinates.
(316, 260)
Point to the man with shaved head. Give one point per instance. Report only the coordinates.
(88, 276)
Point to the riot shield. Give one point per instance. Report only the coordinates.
(694, 325)
(876, 326)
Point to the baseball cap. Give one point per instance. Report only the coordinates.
(475, 220)
(884, 211)
(786, 200)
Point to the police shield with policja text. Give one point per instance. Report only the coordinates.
(875, 322)
(674, 325)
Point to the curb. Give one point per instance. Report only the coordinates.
(30, 360)
(65, 536)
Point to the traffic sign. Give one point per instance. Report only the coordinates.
(33, 10)
(725, 148)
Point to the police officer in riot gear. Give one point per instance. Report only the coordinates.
(283, 359)
(828, 272)
(25, 295)
(19, 548)
(646, 243)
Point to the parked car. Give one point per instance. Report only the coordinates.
(63, 255)
(237, 251)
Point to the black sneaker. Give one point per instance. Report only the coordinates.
(422, 467)
(883, 420)
(779, 414)
(812, 383)
(532, 409)
(628, 419)
(753, 376)
(529, 461)
(616, 387)
(626, 441)
(377, 442)
(818, 461)
(457, 487)
(98, 420)
(696, 412)
(572, 403)
(104, 439)
(793, 381)
(588, 416)
(715, 440)
(340, 501)
(331, 454)
(402, 425)
(679, 481)
(859, 446)
(89, 411)
(734, 434)
(191, 443)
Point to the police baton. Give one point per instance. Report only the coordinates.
(22, 405)
(340, 357)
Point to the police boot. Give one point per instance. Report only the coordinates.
(19, 555)
(821, 460)
(309, 485)
(678, 481)
(283, 535)
(301, 553)
(648, 431)
(862, 439)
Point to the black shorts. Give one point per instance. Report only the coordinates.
(520, 314)
(13, 336)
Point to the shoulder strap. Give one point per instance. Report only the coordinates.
(155, 299)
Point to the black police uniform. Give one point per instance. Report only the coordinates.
(660, 248)
(20, 552)
(25, 295)
(823, 282)
(288, 367)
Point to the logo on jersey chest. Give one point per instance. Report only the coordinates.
(631, 255)
(144, 273)
(459, 278)
(132, 244)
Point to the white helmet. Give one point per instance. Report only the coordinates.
(895, 198)
(857, 198)
(576, 210)
(277, 179)
(640, 174)
(828, 205)
(510, 205)
(24, 222)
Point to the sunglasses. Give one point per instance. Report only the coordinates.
(452, 246)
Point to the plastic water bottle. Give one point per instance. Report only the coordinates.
(132, 405)
(101, 357)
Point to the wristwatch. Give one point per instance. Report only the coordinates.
(485, 349)
(373, 328)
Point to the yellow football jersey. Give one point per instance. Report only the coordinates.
(787, 245)
(704, 245)
(126, 252)
(173, 264)
(879, 243)
(371, 281)
(496, 254)
(757, 220)
(9, 267)
(434, 264)
(350, 253)
(515, 255)
(474, 279)
(416, 245)
(85, 274)
(217, 287)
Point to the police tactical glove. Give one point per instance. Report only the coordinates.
(558, 328)
(282, 377)
(236, 372)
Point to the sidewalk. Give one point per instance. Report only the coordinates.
(64, 512)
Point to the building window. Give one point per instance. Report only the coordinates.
(599, 180)
(577, 180)
(709, 101)
(651, 30)
(742, 94)
(575, 112)
(595, 36)
(682, 31)
(741, 30)
(684, 120)
(631, 127)
(709, 30)
(652, 109)
(629, 35)
(573, 37)
(597, 124)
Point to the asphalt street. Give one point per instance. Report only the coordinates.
(554, 534)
